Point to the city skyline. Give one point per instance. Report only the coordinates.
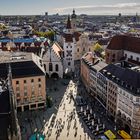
(90, 7)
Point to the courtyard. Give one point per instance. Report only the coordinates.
(65, 118)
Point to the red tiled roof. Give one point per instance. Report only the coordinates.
(37, 43)
(17, 43)
(68, 37)
(76, 35)
(46, 43)
(128, 43)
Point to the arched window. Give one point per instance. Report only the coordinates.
(131, 57)
(56, 67)
(45, 67)
(50, 67)
(113, 55)
(83, 49)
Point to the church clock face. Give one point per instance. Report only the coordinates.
(69, 53)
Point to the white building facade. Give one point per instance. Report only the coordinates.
(128, 110)
(53, 62)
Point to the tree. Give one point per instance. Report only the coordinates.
(98, 48)
(2, 27)
(49, 34)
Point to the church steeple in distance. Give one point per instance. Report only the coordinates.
(73, 14)
(68, 23)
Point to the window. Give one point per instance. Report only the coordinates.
(107, 54)
(18, 101)
(113, 60)
(32, 80)
(25, 93)
(50, 67)
(89, 49)
(78, 50)
(25, 99)
(17, 88)
(39, 85)
(83, 49)
(137, 58)
(25, 88)
(39, 80)
(18, 94)
(17, 82)
(33, 92)
(56, 67)
(33, 106)
(113, 55)
(25, 81)
(69, 63)
(137, 99)
(131, 57)
(70, 46)
(40, 104)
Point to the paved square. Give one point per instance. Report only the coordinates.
(65, 125)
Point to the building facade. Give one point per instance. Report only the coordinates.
(9, 128)
(123, 48)
(123, 95)
(117, 88)
(29, 85)
(30, 97)
(52, 60)
(82, 46)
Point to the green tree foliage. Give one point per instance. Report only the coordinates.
(98, 48)
(2, 27)
(49, 34)
(49, 101)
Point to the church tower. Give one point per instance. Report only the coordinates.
(68, 47)
(68, 27)
(73, 21)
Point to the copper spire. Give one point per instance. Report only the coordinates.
(68, 23)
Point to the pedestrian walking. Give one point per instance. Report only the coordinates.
(84, 136)
(80, 137)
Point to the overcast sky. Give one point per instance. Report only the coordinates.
(92, 7)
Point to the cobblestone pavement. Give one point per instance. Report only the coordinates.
(66, 125)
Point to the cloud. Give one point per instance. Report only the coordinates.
(124, 8)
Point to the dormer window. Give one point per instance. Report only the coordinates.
(118, 80)
(113, 77)
(131, 57)
(122, 83)
(131, 87)
(138, 90)
(125, 55)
